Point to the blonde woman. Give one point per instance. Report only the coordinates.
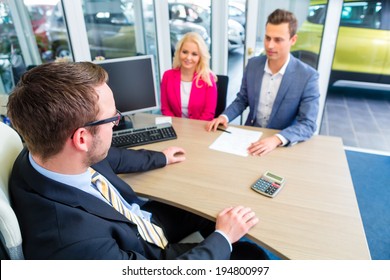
(188, 90)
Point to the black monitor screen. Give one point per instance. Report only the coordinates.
(132, 82)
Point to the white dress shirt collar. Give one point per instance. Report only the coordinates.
(281, 71)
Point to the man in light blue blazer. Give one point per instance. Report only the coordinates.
(281, 91)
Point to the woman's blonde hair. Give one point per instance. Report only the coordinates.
(202, 69)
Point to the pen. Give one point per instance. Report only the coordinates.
(224, 130)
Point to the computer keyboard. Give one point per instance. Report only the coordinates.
(141, 136)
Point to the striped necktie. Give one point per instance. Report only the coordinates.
(148, 231)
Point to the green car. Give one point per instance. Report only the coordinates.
(362, 51)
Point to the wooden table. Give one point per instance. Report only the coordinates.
(315, 216)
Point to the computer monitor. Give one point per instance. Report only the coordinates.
(132, 81)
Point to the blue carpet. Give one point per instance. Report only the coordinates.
(371, 179)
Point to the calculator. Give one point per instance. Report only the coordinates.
(269, 184)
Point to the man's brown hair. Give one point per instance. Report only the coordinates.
(282, 16)
(52, 100)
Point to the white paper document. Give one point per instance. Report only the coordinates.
(236, 142)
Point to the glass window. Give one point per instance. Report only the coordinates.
(317, 14)
(54, 31)
(150, 30)
(10, 56)
(237, 12)
(119, 28)
(110, 29)
(360, 71)
(187, 17)
(236, 39)
(307, 47)
(361, 30)
(236, 27)
(361, 14)
(41, 13)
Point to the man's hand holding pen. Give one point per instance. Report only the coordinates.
(213, 124)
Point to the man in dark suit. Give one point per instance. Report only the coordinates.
(65, 112)
(281, 91)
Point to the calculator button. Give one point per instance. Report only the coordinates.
(271, 190)
(260, 187)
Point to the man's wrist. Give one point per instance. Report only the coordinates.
(226, 117)
(227, 239)
(282, 139)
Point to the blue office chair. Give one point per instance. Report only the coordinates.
(10, 235)
(222, 89)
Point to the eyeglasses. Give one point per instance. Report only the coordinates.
(114, 120)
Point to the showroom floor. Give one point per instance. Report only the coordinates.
(360, 117)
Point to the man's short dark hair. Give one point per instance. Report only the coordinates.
(282, 16)
(52, 100)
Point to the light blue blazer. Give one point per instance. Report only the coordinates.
(296, 105)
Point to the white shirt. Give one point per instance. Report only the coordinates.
(185, 91)
(269, 89)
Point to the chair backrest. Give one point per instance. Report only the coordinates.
(222, 88)
(11, 238)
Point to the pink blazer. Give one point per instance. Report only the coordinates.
(203, 99)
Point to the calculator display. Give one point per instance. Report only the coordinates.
(274, 177)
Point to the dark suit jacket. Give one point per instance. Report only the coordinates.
(59, 221)
(296, 104)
